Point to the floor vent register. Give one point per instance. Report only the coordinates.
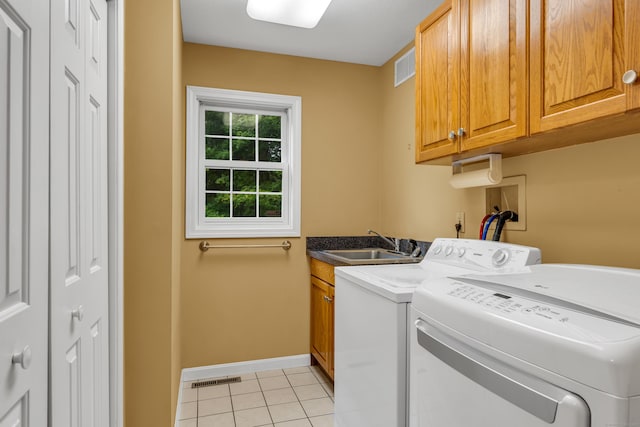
(218, 381)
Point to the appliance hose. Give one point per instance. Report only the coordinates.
(503, 217)
(484, 220)
(486, 226)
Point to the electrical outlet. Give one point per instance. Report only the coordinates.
(460, 220)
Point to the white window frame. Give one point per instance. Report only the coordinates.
(196, 224)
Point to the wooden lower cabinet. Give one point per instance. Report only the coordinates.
(322, 295)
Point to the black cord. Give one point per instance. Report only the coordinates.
(504, 217)
(458, 228)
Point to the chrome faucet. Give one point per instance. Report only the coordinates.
(395, 242)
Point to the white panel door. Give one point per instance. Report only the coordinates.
(24, 208)
(79, 224)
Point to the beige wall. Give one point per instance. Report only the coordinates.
(416, 199)
(252, 304)
(153, 129)
(583, 203)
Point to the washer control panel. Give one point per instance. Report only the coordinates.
(483, 253)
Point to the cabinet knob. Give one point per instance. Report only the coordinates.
(452, 135)
(460, 132)
(327, 299)
(23, 358)
(630, 77)
(78, 313)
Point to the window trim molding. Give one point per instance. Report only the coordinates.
(195, 227)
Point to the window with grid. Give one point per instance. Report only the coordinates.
(243, 155)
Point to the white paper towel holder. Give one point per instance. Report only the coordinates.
(477, 178)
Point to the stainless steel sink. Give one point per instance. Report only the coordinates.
(370, 256)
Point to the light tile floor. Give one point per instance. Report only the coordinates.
(296, 397)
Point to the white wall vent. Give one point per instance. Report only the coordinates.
(405, 67)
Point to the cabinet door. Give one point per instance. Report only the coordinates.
(331, 294)
(493, 55)
(632, 31)
(437, 83)
(322, 323)
(578, 59)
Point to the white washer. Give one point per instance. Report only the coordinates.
(558, 345)
(371, 315)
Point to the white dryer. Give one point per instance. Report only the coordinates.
(558, 345)
(371, 317)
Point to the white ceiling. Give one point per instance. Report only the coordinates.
(358, 31)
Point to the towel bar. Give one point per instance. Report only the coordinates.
(205, 246)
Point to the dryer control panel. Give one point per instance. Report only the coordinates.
(538, 312)
(507, 304)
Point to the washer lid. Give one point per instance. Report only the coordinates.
(396, 282)
(576, 321)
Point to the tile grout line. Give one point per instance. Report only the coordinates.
(233, 411)
(299, 401)
(298, 398)
(319, 383)
(197, 406)
(265, 398)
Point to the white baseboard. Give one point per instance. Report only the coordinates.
(214, 371)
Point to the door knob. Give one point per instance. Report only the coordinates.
(23, 358)
(630, 77)
(78, 313)
(452, 135)
(461, 132)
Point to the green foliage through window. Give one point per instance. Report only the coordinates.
(218, 205)
(238, 192)
(271, 181)
(244, 149)
(216, 123)
(216, 148)
(270, 205)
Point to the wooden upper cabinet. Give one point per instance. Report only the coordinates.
(632, 31)
(493, 106)
(471, 81)
(579, 52)
(496, 75)
(437, 82)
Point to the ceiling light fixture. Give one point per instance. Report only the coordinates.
(297, 13)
